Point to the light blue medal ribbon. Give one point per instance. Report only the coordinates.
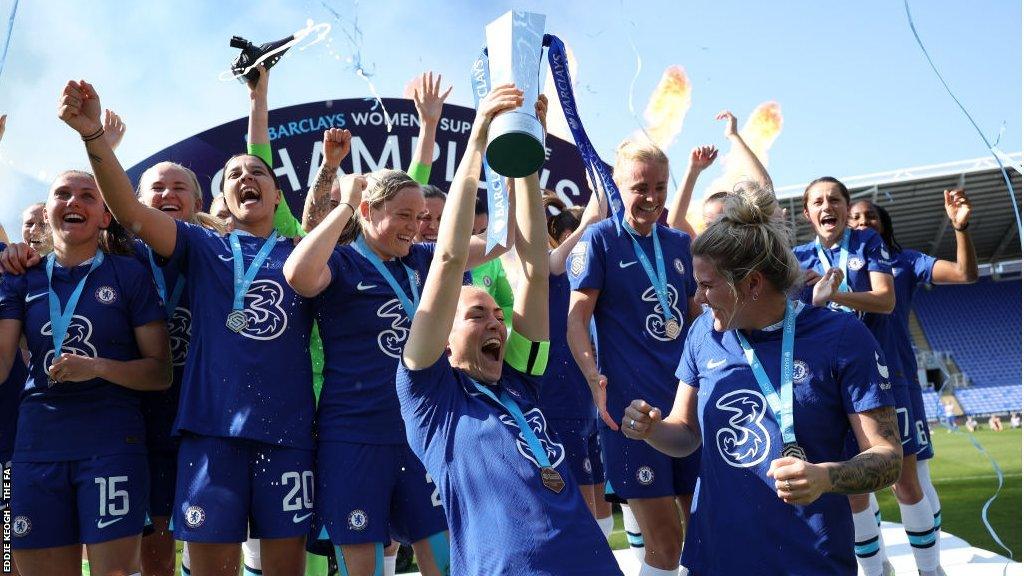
(409, 304)
(781, 401)
(658, 278)
(170, 301)
(550, 477)
(844, 257)
(244, 276)
(60, 321)
(596, 168)
(497, 191)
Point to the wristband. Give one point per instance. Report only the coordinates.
(962, 229)
(349, 207)
(526, 356)
(93, 136)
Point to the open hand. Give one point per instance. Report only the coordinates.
(428, 98)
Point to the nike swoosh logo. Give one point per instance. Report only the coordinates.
(105, 523)
(362, 286)
(34, 296)
(712, 364)
(626, 264)
(296, 518)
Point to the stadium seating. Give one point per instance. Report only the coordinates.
(932, 406)
(980, 325)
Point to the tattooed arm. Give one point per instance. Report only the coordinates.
(877, 466)
(337, 143)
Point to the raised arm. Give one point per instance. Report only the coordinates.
(306, 268)
(113, 128)
(965, 269)
(337, 143)
(700, 158)
(150, 372)
(79, 108)
(743, 159)
(432, 323)
(429, 103)
(596, 210)
(530, 304)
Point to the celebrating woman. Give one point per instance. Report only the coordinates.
(864, 286)
(475, 425)
(96, 334)
(239, 465)
(768, 390)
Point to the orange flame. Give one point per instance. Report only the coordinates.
(668, 106)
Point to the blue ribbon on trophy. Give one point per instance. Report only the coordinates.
(515, 140)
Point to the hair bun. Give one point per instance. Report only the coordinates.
(750, 204)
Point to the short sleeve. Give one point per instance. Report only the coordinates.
(687, 371)
(183, 243)
(429, 385)
(337, 264)
(923, 266)
(877, 255)
(12, 297)
(861, 369)
(585, 264)
(142, 299)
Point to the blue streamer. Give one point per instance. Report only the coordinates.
(7, 40)
(995, 466)
(1002, 169)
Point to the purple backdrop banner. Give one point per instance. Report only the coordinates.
(296, 135)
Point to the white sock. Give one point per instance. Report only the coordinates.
(920, 526)
(389, 565)
(867, 540)
(877, 511)
(646, 570)
(633, 535)
(186, 561)
(607, 525)
(924, 476)
(251, 557)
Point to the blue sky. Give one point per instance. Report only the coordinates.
(856, 94)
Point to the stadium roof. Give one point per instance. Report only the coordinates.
(913, 196)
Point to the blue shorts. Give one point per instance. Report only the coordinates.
(905, 420)
(79, 501)
(163, 473)
(373, 493)
(230, 486)
(636, 470)
(924, 434)
(582, 448)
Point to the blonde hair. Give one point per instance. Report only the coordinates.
(748, 238)
(384, 185)
(634, 150)
(198, 217)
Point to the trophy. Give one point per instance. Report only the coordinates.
(244, 66)
(515, 141)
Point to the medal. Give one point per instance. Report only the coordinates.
(237, 321)
(551, 479)
(793, 450)
(672, 328)
(243, 277)
(60, 320)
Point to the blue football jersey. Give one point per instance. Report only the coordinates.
(867, 253)
(634, 351)
(10, 397)
(910, 269)
(160, 408)
(255, 384)
(501, 517)
(75, 420)
(364, 328)
(565, 393)
(837, 371)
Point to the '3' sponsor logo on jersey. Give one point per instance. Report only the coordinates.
(392, 339)
(655, 322)
(744, 442)
(179, 330)
(266, 318)
(539, 425)
(76, 342)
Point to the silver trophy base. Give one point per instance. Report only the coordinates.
(515, 144)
